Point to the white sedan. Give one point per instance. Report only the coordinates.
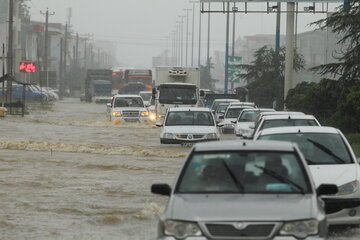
(331, 160)
(188, 125)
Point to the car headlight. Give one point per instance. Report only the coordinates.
(169, 136)
(152, 116)
(181, 230)
(300, 229)
(212, 136)
(348, 188)
(116, 114)
(144, 114)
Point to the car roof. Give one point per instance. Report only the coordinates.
(299, 129)
(244, 145)
(226, 100)
(190, 109)
(259, 109)
(145, 92)
(241, 106)
(127, 95)
(290, 116)
(177, 83)
(243, 103)
(282, 113)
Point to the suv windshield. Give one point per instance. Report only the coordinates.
(318, 148)
(233, 112)
(189, 118)
(128, 102)
(244, 172)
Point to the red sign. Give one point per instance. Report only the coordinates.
(28, 67)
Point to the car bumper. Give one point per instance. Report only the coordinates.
(275, 238)
(131, 119)
(180, 141)
(342, 211)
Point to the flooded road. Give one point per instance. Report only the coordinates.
(69, 173)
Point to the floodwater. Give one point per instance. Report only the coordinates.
(69, 173)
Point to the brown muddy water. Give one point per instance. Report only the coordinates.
(68, 173)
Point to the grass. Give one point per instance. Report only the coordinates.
(354, 140)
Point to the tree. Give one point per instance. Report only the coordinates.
(346, 23)
(264, 83)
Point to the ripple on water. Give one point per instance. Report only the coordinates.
(90, 148)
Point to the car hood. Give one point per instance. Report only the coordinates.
(120, 109)
(237, 207)
(338, 174)
(190, 129)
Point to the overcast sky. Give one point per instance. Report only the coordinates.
(140, 27)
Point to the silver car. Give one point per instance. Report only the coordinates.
(244, 190)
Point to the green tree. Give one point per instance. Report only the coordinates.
(346, 23)
(263, 81)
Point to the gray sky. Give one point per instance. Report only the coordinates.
(140, 27)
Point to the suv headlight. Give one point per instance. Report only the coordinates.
(348, 188)
(212, 136)
(116, 114)
(169, 136)
(300, 229)
(144, 114)
(181, 230)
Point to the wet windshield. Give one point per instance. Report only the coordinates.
(318, 148)
(177, 94)
(249, 116)
(233, 112)
(244, 172)
(128, 102)
(146, 96)
(189, 118)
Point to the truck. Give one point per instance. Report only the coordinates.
(98, 85)
(175, 87)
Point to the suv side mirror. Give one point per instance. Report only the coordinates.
(108, 105)
(159, 124)
(162, 189)
(327, 189)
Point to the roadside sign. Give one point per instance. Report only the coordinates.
(234, 68)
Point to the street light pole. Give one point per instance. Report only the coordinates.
(226, 80)
(182, 39)
(199, 54)
(208, 40)
(187, 35)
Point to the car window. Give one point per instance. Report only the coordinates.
(233, 112)
(248, 116)
(318, 148)
(189, 118)
(288, 123)
(222, 108)
(128, 102)
(246, 172)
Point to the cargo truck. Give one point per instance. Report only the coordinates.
(175, 87)
(98, 85)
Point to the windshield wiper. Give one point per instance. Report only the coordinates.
(326, 150)
(238, 184)
(281, 178)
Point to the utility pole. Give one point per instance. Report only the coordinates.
(277, 57)
(226, 80)
(187, 35)
(289, 58)
(199, 53)
(192, 34)
(77, 51)
(208, 40)
(61, 69)
(233, 39)
(3, 74)
(46, 54)
(65, 52)
(10, 61)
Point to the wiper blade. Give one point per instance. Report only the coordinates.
(326, 150)
(238, 184)
(281, 178)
